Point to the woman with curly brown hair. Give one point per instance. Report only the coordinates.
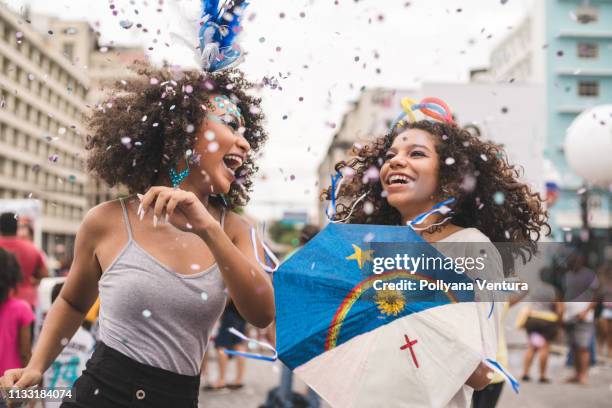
(161, 260)
(399, 178)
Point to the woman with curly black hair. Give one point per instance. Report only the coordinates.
(161, 260)
(420, 164)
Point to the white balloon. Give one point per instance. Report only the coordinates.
(588, 145)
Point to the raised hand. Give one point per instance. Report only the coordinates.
(178, 207)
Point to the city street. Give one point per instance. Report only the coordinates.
(262, 376)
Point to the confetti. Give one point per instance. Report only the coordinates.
(213, 147)
(146, 313)
(204, 296)
(126, 24)
(499, 198)
(449, 161)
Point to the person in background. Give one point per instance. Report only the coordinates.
(226, 340)
(70, 363)
(30, 259)
(605, 319)
(581, 287)
(16, 317)
(25, 231)
(541, 325)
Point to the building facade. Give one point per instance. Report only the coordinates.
(50, 77)
(43, 98)
(518, 57)
(578, 76)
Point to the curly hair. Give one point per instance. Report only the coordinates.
(10, 274)
(146, 126)
(488, 195)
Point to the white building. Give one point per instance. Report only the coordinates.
(519, 55)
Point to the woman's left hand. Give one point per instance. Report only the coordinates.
(180, 208)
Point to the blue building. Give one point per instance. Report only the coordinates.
(578, 35)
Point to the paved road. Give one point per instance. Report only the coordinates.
(261, 376)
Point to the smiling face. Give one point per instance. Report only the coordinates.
(221, 145)
(409, 174)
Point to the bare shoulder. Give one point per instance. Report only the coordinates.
(100, 219)
(236, 224)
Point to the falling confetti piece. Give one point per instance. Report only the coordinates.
(213, 147)
(126, 140)
(54, 158)
(190, 128)
(449, 161)
(204, 296)
(146, 313)
(499, 198)
(483, 157)
(126, 24)
(195, 267)
(64, 341)
(144, 118)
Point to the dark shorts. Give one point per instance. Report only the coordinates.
(545, 328)
(580, 334)
(112, 379)
(230, 318)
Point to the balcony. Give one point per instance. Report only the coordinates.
(585, 34)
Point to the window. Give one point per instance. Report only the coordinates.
(586, 14)
(588, 88)
(588, 50)
(68, 50)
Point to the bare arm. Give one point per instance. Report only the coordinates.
(248, 285)
(25, 344)
(480, 378)
(78, 294)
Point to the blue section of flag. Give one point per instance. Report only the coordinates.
(312, 284)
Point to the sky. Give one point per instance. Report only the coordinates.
(322, 52)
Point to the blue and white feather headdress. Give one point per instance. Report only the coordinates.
(212, 35)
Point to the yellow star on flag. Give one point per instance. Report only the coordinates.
(361, 256)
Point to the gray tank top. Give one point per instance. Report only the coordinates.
(155, 315)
